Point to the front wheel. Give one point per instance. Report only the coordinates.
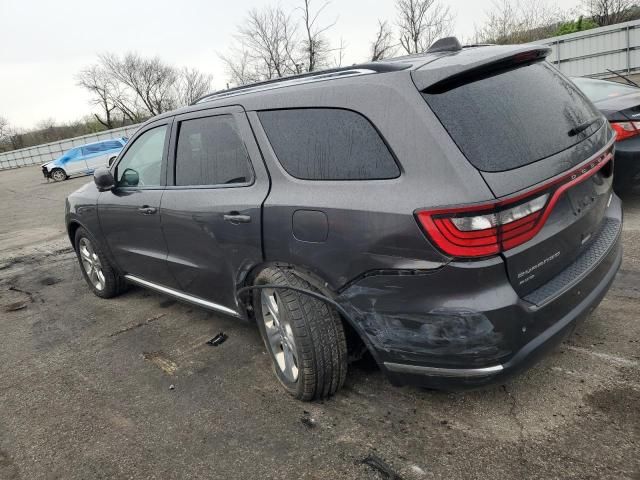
(304, 336)
(58, 174)
(101, 277)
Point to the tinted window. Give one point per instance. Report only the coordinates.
(514, 118)
(211, 152)
(328, 144)
(600, 89)
(94, 148)
(111, 145)
(141, 165)
(73, 153)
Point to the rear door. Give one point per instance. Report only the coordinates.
(98, 155)
(211, 210)
(524, 126)
(93, 155)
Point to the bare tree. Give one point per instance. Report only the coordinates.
(270, 39)
(96, 80)
(315, 45)
(150, 80)
(339, 53)
(240, 67)
(516, 21)
(192, 84)
(608, 12)
(421, 22)
(4, 129)
(382, 47)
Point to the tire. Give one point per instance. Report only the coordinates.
(106, 284)
(308, 328)
(58, 175)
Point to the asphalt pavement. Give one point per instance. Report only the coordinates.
(85, 385)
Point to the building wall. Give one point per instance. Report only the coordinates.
(50, 151)
(593, 52)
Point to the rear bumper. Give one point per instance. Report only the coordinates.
(464, 326)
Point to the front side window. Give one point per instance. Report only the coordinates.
(141, 165)
(210, 151)
(328, 144)
(71, 154)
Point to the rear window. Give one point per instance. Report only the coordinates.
(211, 152)
(328, 144)
(111, 145)
(514, 118)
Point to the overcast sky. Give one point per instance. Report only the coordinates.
(43, 44)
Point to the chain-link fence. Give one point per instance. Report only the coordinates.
(50, 151)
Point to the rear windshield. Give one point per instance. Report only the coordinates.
(514, 118)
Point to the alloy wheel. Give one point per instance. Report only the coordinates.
(279, 335)
(91, 264)
(58, 175)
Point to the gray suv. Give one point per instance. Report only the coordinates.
(450, 213)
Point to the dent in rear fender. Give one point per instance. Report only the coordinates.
(439, 333)
(459, 315)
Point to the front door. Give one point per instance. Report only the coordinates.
(130, 213)
(211, 209)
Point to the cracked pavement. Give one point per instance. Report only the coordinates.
(85, 385)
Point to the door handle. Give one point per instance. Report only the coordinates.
(236, 218)
(147, 210)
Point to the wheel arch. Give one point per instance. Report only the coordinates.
(58, 167)
(356, 339)
(72, 228)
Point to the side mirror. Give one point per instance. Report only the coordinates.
(111, 160)
(103, 179)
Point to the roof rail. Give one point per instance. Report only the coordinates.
(360, 69)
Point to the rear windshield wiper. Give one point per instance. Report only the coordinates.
(583, 126)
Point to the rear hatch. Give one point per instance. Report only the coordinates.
(541, 147)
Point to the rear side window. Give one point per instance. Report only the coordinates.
(328, 144)
(211, 152)
(514, 118)
(111, 145)
(95, 148)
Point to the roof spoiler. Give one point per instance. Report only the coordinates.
(451, 71)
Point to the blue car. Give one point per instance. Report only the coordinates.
(83, 160)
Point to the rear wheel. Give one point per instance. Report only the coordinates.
(304, 336)
(101, 277)
(58, 174)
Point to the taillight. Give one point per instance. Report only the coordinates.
(485, 230)
(625, 130)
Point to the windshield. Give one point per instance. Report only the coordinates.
(598, 90)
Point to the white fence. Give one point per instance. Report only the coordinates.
(50, 151)
(592, 53)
